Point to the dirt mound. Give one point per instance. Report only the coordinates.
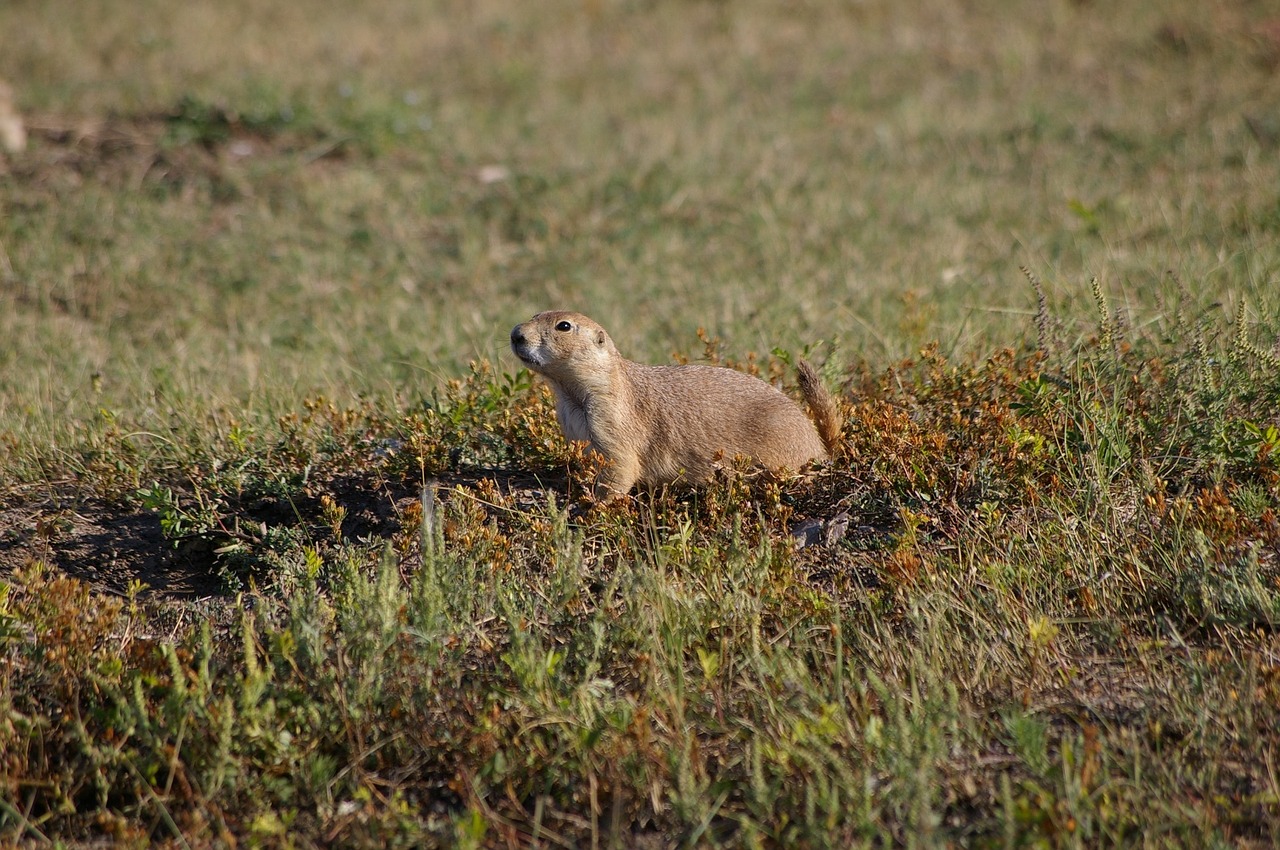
(191, 144)
(106, 546)
(112, 545)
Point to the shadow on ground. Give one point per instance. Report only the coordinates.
(111, 545)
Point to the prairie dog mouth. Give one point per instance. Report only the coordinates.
(520, 348)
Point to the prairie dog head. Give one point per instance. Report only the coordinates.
(565, 347)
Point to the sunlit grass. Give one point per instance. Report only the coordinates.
(255, 293)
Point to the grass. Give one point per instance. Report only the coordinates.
(290, 556)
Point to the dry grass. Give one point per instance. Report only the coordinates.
(242, 277)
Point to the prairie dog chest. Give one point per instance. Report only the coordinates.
(573, 418)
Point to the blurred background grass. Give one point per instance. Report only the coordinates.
(231, 206)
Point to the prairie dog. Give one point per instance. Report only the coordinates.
(664, 424)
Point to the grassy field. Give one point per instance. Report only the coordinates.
(292, 555)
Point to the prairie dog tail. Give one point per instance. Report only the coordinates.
(826, 413)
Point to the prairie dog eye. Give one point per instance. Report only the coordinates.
(563, 326)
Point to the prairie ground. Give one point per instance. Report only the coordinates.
(292, 554)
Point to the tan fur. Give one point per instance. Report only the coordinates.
(13, 135)
(668, 424)
(826, 413)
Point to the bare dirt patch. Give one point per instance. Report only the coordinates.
(106, 546)
(113, 545)
(110, 545)
(189, 145)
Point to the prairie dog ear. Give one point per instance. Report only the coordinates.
(600, 337)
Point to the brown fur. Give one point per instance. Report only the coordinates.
(667, 424)
(825, 411)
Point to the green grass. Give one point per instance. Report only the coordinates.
(254, 297)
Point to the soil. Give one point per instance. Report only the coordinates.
(112, 545)
(107, 546)
(185, 147)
